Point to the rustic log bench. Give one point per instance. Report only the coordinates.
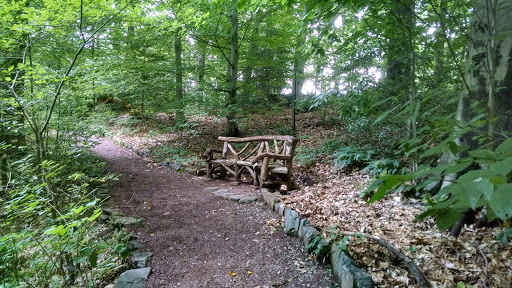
(266, 163)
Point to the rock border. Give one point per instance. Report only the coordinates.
(139, 271)
(343, 267)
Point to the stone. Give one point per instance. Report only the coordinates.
(309, 235)
(322, 251)
(211, 189)
(135, 245)
(269, 198)
(201, 172)
(265, 194)
(134, 278)
(109, 286)
(346, 273)
(102, 193)
(248, 199)
(235, 197)
(125, 221)
(226, 195)
(104, 218)
(274, 198)
(174, 166)
(281, 209)
(190, 171)
(289, 220)
(141, 259)
(221, 192)
(299, 222)
(112, 211)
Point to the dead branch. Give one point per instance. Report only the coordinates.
(418, 275)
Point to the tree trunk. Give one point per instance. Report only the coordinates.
(299, 62)
(251, 57)
(490, 55)
(232, 124)
(180, 116)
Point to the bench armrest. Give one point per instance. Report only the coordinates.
(208, 154)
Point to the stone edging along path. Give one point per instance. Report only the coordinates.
(343, 267)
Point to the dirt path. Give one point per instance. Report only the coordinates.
(198, 239)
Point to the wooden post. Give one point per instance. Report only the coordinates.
(264, 170)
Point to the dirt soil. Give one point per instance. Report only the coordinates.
(199, 240)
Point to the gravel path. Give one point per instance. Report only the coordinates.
(200, 240)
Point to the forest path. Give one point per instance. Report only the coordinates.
(196, 238)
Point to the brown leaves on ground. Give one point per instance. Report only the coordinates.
(332, 202)
(474, 258)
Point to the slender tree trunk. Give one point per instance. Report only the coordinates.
(251, 57)
(413, 103)
(232, 124)
(180, 116)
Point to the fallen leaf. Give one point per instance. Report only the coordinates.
(232, 274)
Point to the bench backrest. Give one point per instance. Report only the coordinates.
(247, 148)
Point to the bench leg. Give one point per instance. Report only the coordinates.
(208, 170)
(237, 173)
(289, 176)
(264, 170)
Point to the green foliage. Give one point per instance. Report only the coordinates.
(49, 235)
(503, 235)
(383, 167)
(305, 155)
(487, 185)
(350, 155)
(178, 157)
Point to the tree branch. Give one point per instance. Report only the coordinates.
(418, 275)
(72, 64)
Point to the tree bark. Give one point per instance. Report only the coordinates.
(180, 116)
(490, 55)
(232, 124)
(251, 57)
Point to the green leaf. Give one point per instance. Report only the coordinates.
(54, 230)
(388, 183)
(502, 237)
(496, 180)
(504, 150)
(482, 154)
(456, 167)
(503, 167)
(454, 148)
(93, 258)
(501, 201)
(241, 5)
(446, 219)
(124, 252)
(472, 191)
(79, 260)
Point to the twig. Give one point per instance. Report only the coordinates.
(418, 275)
(484, 269)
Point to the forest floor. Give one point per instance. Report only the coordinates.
(328, 196)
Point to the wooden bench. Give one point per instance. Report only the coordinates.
(266, 159)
